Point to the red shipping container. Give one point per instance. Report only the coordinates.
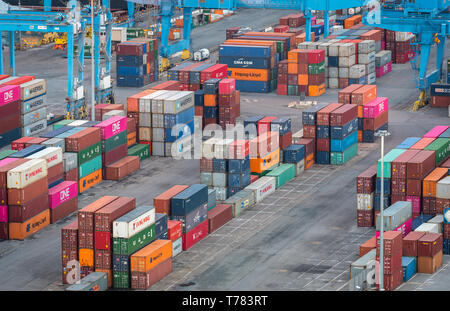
(316, 56)
(365, 218)
(343, 115)
(410, 243)
(376, 123)
(18, 81)
(323, 144)
(19, 144)
(400, 163)
(421, 164)
(105, 216)
(174, 229)
(392, 243)
(309, 143)
(218, 71)
(430, 244)
(285, 140)
(218, 216)
(398, 186)
(227, 86)
(264, 125)
(365, 182)
(309, 131)
(195, 235)
(102, 240)
(162, 202)
(323, 114)
(282, 89)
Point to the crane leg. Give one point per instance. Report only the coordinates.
(187, 26)
(423, 84)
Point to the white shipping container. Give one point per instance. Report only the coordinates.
(119, 34)
(324, 46)
(33, 89)
(208, 148)
(52, 156)
(155, 103)
(78, 123)
(364, 201)
(371, 78)
(179, 102)
(347, 61)
(206, 178)
(158, 120)
(262, 187)
(219, 179)
(221, 193)
(333, 83)
(177, 247)
(357, 71)
(333, 72)
(427, 227)
(403, 36)
(33, 104)
(347, 49)
(221, 148)
(26, 173)
(34, 116)
(333, 49)
(35, 128)
(366, 46)
(158, 148)
(145, 119)
(113, 113)
(145, 103)
(127, 228)
(343, 72)
(299, 167)
(443, 188)
(370, 68)
(157, 134)
(366, 58)
(439, 220)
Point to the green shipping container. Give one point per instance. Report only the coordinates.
(140, 150)
(89, 167)
(6, 153)
(340, 158)
(293, 90)
(121, 279)
(114, 142)
(61, 123)
(122, 246)
(315, 69)
(89, 153)
(388, 158)
(441, 146)
(283, 174)
(273, 85)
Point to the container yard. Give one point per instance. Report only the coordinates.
(289, 157)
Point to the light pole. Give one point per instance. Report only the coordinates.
(92, 63)
(382, 134)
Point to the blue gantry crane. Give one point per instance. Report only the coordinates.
(429, 20)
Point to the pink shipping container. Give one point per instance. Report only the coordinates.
(3, 213)
(62, 193)
(113, 126)
(375, 107)
(7, 161)
(404, 228)
(9, 94)
(313, 20)
(415, 202)
(227, 86)
(436, 131)
(218, 71)
(381, 71)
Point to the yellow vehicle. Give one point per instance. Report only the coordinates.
(60, 42)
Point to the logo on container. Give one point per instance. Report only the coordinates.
(116, 127)
(64, 194)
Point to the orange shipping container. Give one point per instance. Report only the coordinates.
(133, 101)
(86, 257)
(309, 161)
(89, 181)
(293, 68)
(210, 100)
(259, 165)
(249, 74)
(291, 36)
(364, 94)
(151, 255)
(360, 112)
(19, 231)
(421, 144)
(302, 38)
(316, 90)
(302, 79)
(430, 182)
(367, 246)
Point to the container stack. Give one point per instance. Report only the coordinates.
(365, 191)
(105, 111)
(323, 133)
(393, 271)
(10, 117)
(103, 233)
(137, 62)
(63, 200)
(383, 63)
(429, 251)
(309, 121)
(229, 103)
(399, 43)
(190, 206)
(431, 203)
(69, 251)
(343, 134)
(28, 208)
(131, 232)
(366, 60)
(33, 107)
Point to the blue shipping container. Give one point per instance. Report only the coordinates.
(446, 246)
(188, 200)
(282, 125)
(56, 132)
(360, 124)
(26, 152)
(199, 98)
(246, 62)
(361, 80)
(253, 86)
(333, 61)
(408, 143)
(182, 117)
(409, 265)
(323, 157)
(131, 71)
(238, 166)
(220, 165)
(338, 145)
(387, 186)
(340, 132)
(293, 154)
(121, 263)
(239, 180)
(160, 224)
(130, 60)
(376, 202)
(323, 131)
(10, 136)
(244, 51)
(210, 112)
(130, 81)
(182, 130)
